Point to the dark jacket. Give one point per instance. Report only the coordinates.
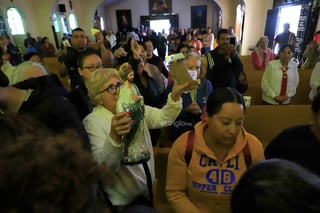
(225, 72)
(47, 105)
(80, 100)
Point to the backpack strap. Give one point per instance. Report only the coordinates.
(210, 61)
(247, 155)
(189, 147)
(149, 181)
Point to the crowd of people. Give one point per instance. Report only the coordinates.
(91, 148)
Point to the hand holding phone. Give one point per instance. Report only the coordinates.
(181, 74)
(232, 40)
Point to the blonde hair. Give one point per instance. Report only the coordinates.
(96, 81)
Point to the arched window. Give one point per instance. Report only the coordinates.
(3, 29)
(73, 21)
(239, 21)
(64, 24)
(15, 22)
(102, 23)
(55, 22)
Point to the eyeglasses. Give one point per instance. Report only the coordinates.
(112, 89)
(92, 68)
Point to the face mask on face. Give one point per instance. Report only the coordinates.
(193, 74)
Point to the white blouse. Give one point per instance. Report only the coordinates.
(272, 80)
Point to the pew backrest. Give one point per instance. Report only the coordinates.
(267, 121)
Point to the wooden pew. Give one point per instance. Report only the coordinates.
(254, 81)
(267, 121)
(301, 96)
(161, 159)
(263, 121)
(247, 64)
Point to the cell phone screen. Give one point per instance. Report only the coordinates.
(232, 40)
(181, 74)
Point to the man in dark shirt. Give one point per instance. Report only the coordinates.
(224, 66)
(29, 41)
(79, 44)
(286, 37)
(154, 59)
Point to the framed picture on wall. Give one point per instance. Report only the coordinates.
(124, 20)
(199, 16)
(159, 6)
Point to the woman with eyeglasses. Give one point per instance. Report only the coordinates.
(106, 129)
(87, 63)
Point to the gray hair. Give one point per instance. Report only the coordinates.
(261, 38)
(191, 55)
(97, 80)
(23, 72)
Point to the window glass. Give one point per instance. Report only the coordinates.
(73, 21)
(102, 23)
(15, 22)
(3, 29)
(56, 23)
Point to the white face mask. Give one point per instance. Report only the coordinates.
(193, 74)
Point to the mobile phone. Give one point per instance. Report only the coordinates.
(232, 40)
(181, 74)
(174, 57)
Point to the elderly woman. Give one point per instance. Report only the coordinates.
(106, 128)
(262, 54)
(280, 79)
(194, 101)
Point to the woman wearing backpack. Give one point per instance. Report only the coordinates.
(205, 164)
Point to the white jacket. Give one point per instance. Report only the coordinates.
(129, 181)
(272, 79)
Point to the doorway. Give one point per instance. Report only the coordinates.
(159, 25)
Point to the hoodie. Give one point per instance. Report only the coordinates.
(207, 183)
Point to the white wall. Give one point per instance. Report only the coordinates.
(36, 13)
(255, 21)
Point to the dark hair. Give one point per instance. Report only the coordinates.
(222, 31)
(27, 56)
(83, 56)
(4, 81)
(282, 48)
(223, 95)
(143, 45)
(48, 173)
(77, 29)
(44, 39)
(183, 46)
(147, 39)
(276, 186)
(315, 106)
(13, 126)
